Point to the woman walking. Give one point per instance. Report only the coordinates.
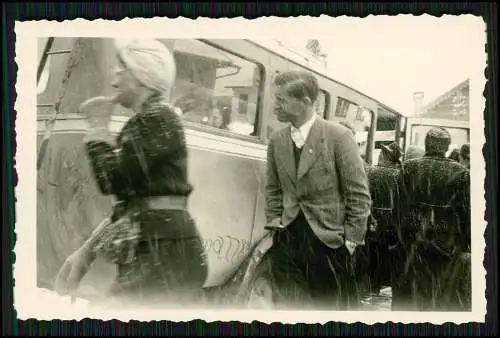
(150, 236)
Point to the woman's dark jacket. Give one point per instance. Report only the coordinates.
(150, 159)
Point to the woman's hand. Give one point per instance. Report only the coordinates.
(73, 270)
(98, 111)
(100, 134)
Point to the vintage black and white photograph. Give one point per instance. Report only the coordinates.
(286, 166)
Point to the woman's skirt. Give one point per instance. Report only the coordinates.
(168, 267)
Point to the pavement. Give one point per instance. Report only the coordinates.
(377, 301)
(369, 301)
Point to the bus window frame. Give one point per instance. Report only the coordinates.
(326, 108)
(45, 73)
(370, 139)
(257, 138)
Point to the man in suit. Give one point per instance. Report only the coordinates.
(317, 196)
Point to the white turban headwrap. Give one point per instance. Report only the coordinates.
(150, 62)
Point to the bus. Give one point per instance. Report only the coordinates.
(224, 94)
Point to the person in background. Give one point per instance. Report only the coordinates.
(455, 155)
(413, 152)
(436, 228)
(317, 197)
(465, 155)
(384, 249)
(226, 117)
(150, 236)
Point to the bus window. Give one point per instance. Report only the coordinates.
(346, 108)
(358, 118)
(49, 85)
(215, 88)
(459, 136)
(387, 121)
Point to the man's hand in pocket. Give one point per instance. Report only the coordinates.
(351, 247)
(275, 224)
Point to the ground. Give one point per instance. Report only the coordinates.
(377, 302)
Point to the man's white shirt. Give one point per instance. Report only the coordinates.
(299, 135)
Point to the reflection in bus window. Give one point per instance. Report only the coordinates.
(215, 88)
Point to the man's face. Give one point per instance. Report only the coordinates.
(287, 108)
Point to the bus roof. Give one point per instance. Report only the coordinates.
(293, 56)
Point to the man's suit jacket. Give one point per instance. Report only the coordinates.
(330, 185)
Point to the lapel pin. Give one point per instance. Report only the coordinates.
(310, 151)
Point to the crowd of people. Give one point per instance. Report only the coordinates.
(404, 222)
(419, 238)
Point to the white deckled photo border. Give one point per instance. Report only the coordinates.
(29, 303)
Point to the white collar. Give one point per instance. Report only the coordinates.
(305, 128)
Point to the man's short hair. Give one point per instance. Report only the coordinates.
(298, 84)
(438, 140)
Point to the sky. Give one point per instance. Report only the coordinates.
(390, 58)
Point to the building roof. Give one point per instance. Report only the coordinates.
(442, 98)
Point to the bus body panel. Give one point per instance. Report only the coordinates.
(69, 206)
(227, 180)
